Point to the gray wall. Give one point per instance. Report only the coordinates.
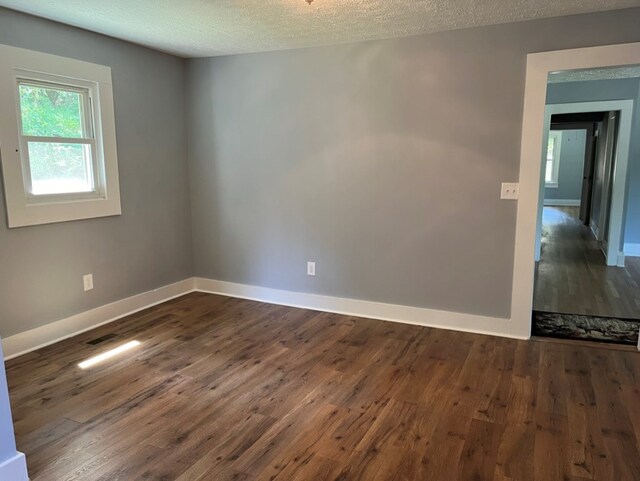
(381, 161)
(7, 441)
(620, 89)
(149, 245)
(570, 172)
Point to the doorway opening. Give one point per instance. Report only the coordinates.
(539, 66)
(586, 286)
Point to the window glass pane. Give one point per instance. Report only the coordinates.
(548, 175)
(51, 112)
(58, 168)
(551, 148)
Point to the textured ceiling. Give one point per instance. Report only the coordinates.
(631, 71)
(197, 28)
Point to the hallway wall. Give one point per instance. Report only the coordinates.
(570, 172)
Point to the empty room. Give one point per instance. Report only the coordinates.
(319, 240)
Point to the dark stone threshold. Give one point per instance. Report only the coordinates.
(586, 328)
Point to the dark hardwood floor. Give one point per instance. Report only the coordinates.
(226, 389)
(572, 276)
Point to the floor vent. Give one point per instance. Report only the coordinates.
(586, 328)
(101, 339)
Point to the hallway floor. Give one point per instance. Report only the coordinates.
(572, 276)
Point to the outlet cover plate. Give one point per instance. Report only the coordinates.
(311, 268)
(87, 281)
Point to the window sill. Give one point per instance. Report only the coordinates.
(550, 186)
(24, 214)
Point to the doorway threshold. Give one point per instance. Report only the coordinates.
(613, 330)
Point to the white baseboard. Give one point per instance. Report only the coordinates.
(14, 469)
(621, 259)
(56, 331)
(354, 307)
(562, 202)
(42, 336)
(632, 250)
(595, 229)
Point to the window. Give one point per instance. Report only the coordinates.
(553, 159)
(58, 150)
(56, 139)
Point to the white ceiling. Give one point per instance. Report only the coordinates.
(628, 71)
(197, 28)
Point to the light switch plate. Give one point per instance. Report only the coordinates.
(510, 191)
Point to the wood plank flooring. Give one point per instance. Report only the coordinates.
(226, 389)
(572, 276)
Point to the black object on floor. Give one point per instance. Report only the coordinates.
(586, 328)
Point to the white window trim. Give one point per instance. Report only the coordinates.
(557, 135)
(23, 209)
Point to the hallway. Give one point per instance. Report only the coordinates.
(572, 276)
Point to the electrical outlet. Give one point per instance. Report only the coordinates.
(88, 282)
(311, 268)
(510, 191)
